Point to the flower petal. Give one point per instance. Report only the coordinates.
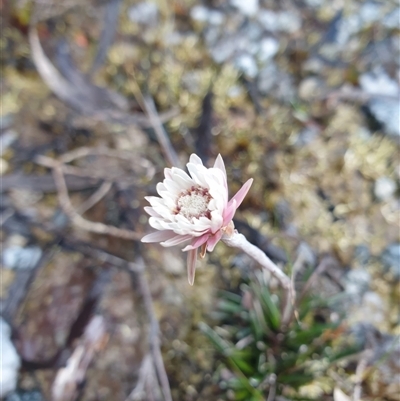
(158, 236)
(178, 239)
(195, 159)
(219, 163)
(212, 241)
(191, 265)
(149, 210)
(197, 242)
(229, 212)
(239, 196)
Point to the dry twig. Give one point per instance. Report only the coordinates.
(162, 136)
(154, 334)
(78, 220)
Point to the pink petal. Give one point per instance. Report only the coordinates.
(239, 196)
(178, 239)
(191, 265)
(219, 163)
(198, 241)
(229, 212)
(158, 236)
(212, 241)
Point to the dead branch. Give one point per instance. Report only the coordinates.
(67, 381)
(325, 263)
(95, 198)
(154, 333)
(99, 103)
(161, 134)
(78, 220)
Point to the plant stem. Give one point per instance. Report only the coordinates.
(237, 240)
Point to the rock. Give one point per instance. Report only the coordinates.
(384, 104)
(203, 14)
(247, 7)
(145, 13)
(384, 188)
(9, 361)
(356, 282)
(307, 254)
(391, 20)
(314, 3)
(306, 136)
(17, 257)
(7, 139)
(384, 355)
(246, 64)
(379, 83)
(3, 166)
(369, 13)
(284, 21)
(6, 121)
(387, 113)
(275, 82)
(223, 49)
(361, 254)
(347, 28)
(267, 49)
(372, 309)
(267, 78)
(25, 395)
(311, 88)
(391, 260)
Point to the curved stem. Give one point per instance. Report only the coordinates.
(237, 240)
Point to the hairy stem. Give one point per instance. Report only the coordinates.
(237, 240)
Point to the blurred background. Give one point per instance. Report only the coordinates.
(98, 97)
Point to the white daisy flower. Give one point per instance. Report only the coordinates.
(193, 208)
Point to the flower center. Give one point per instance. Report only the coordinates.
(193, 203)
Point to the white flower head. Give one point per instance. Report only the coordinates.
(193, 208)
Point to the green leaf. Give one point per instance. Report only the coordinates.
(221, 344)
(230, 296)
(295, 379)
(229, 307)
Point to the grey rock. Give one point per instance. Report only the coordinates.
(311, 88)
(145, 13)
(378, 82)
(6, 121)
(362, 254)
(356, 283)
(387, 112)
(25, 395)
(306, 136)
(392, 20)
(246, 64)
(314, 3)
(370, 12)
(9, 361)
(384, 188)
(17, 257)
(348, 27)
(284, 21)
(247, 7)
(7, 139)
(201, 13)
(268, 48)
(385, 103)
(307, 253)
(391, 260)
(277, 83)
